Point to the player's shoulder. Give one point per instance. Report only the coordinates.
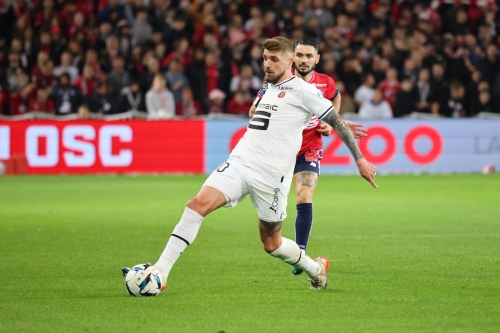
(322, 78)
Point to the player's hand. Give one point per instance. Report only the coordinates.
(358, 130)
(367, 170)
(324, 129)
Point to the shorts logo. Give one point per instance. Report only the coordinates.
(312, 155)
(274, 205)
(282, 94)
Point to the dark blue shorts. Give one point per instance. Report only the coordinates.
(309, 161)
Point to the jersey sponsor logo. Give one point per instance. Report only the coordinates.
(269, 106)
(282, 94)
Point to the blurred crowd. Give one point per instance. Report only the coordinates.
(197, 57)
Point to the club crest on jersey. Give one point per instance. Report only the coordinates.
(282, 94)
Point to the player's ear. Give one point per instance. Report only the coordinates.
(317, 58)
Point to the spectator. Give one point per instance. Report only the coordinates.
(187, 106)
(409, 70)
(216, 98)
(83, 112)
(113, 12)
(246, 81)
(118, 78)
(160, 102)
(239, 104)
(13, 70)
(87, 81)
(347, 104)
(107, 55)
(45, 79)
(197, 76)
(66, 97)
(132, 99)
(325, 18)
(41, 102)
(178, 31)
(67, 66)
(452, 103)
(404, 102)
(365, 92)
(78, 26)
(152, 68)
(438, 82)
(142, 30)
(3, 101)
(490, 65)
(482, 103)
(376, 108)
(177, 80)
(390, 86)
(18, 98)
(102, 101)
(422, 92)
(180, 52)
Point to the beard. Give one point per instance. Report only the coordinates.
(273, 79)
(304, 73)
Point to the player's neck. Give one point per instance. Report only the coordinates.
(285, 77)
(307, 78)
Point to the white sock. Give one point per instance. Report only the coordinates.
(183, 235)
(290, 253)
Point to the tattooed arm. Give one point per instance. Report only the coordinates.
(366, 169)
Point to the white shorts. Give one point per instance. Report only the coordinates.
(235, 179)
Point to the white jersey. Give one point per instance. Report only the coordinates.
(274, 134)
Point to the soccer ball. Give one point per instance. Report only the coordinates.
(143, 280)
(489, 168)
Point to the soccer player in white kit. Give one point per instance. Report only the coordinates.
(261, 165)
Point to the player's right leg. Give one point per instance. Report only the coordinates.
(269, 196)
(222, 188)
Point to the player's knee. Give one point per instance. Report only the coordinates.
(270, 245)
(304, 196)
(198, 206)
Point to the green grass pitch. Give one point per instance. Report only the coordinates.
(420, 254)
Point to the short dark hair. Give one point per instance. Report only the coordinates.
(307, 41)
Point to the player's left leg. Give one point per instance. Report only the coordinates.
(305, 179)
(305, 182)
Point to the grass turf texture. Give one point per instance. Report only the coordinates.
(420, 254)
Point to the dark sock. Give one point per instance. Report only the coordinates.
(303, 224)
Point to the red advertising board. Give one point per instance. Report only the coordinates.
(78, 147)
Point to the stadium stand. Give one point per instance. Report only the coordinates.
(59, 55)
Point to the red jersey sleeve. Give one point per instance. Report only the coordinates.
(332, 90)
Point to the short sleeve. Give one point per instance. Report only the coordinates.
(260, 94)
(332, 90)
(315, 102)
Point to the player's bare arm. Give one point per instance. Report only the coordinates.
(252, 111)
(357, 130)
(366, 169)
